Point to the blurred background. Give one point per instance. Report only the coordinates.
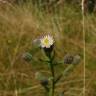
(23, 21)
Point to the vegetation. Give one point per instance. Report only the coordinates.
(21, 24)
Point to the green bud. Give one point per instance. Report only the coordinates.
(27, 56)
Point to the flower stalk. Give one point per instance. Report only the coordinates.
(52, 89)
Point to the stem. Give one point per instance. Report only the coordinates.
(53, 77)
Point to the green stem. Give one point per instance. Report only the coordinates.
(52, 89)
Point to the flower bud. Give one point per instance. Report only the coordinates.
(36, 42)
(71, 59)
(42, 79)
(44, 82)
(76, 59)
(27, 56)
(38, 76)
(68, 59)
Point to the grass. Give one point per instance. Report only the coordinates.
(90, 56)
(20, 25)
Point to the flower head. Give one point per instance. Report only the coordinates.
(36, 42)
(47, 41)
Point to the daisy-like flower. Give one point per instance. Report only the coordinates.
(47, 41)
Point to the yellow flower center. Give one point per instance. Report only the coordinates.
(46, 41)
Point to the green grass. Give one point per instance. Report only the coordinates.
(20, 25)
